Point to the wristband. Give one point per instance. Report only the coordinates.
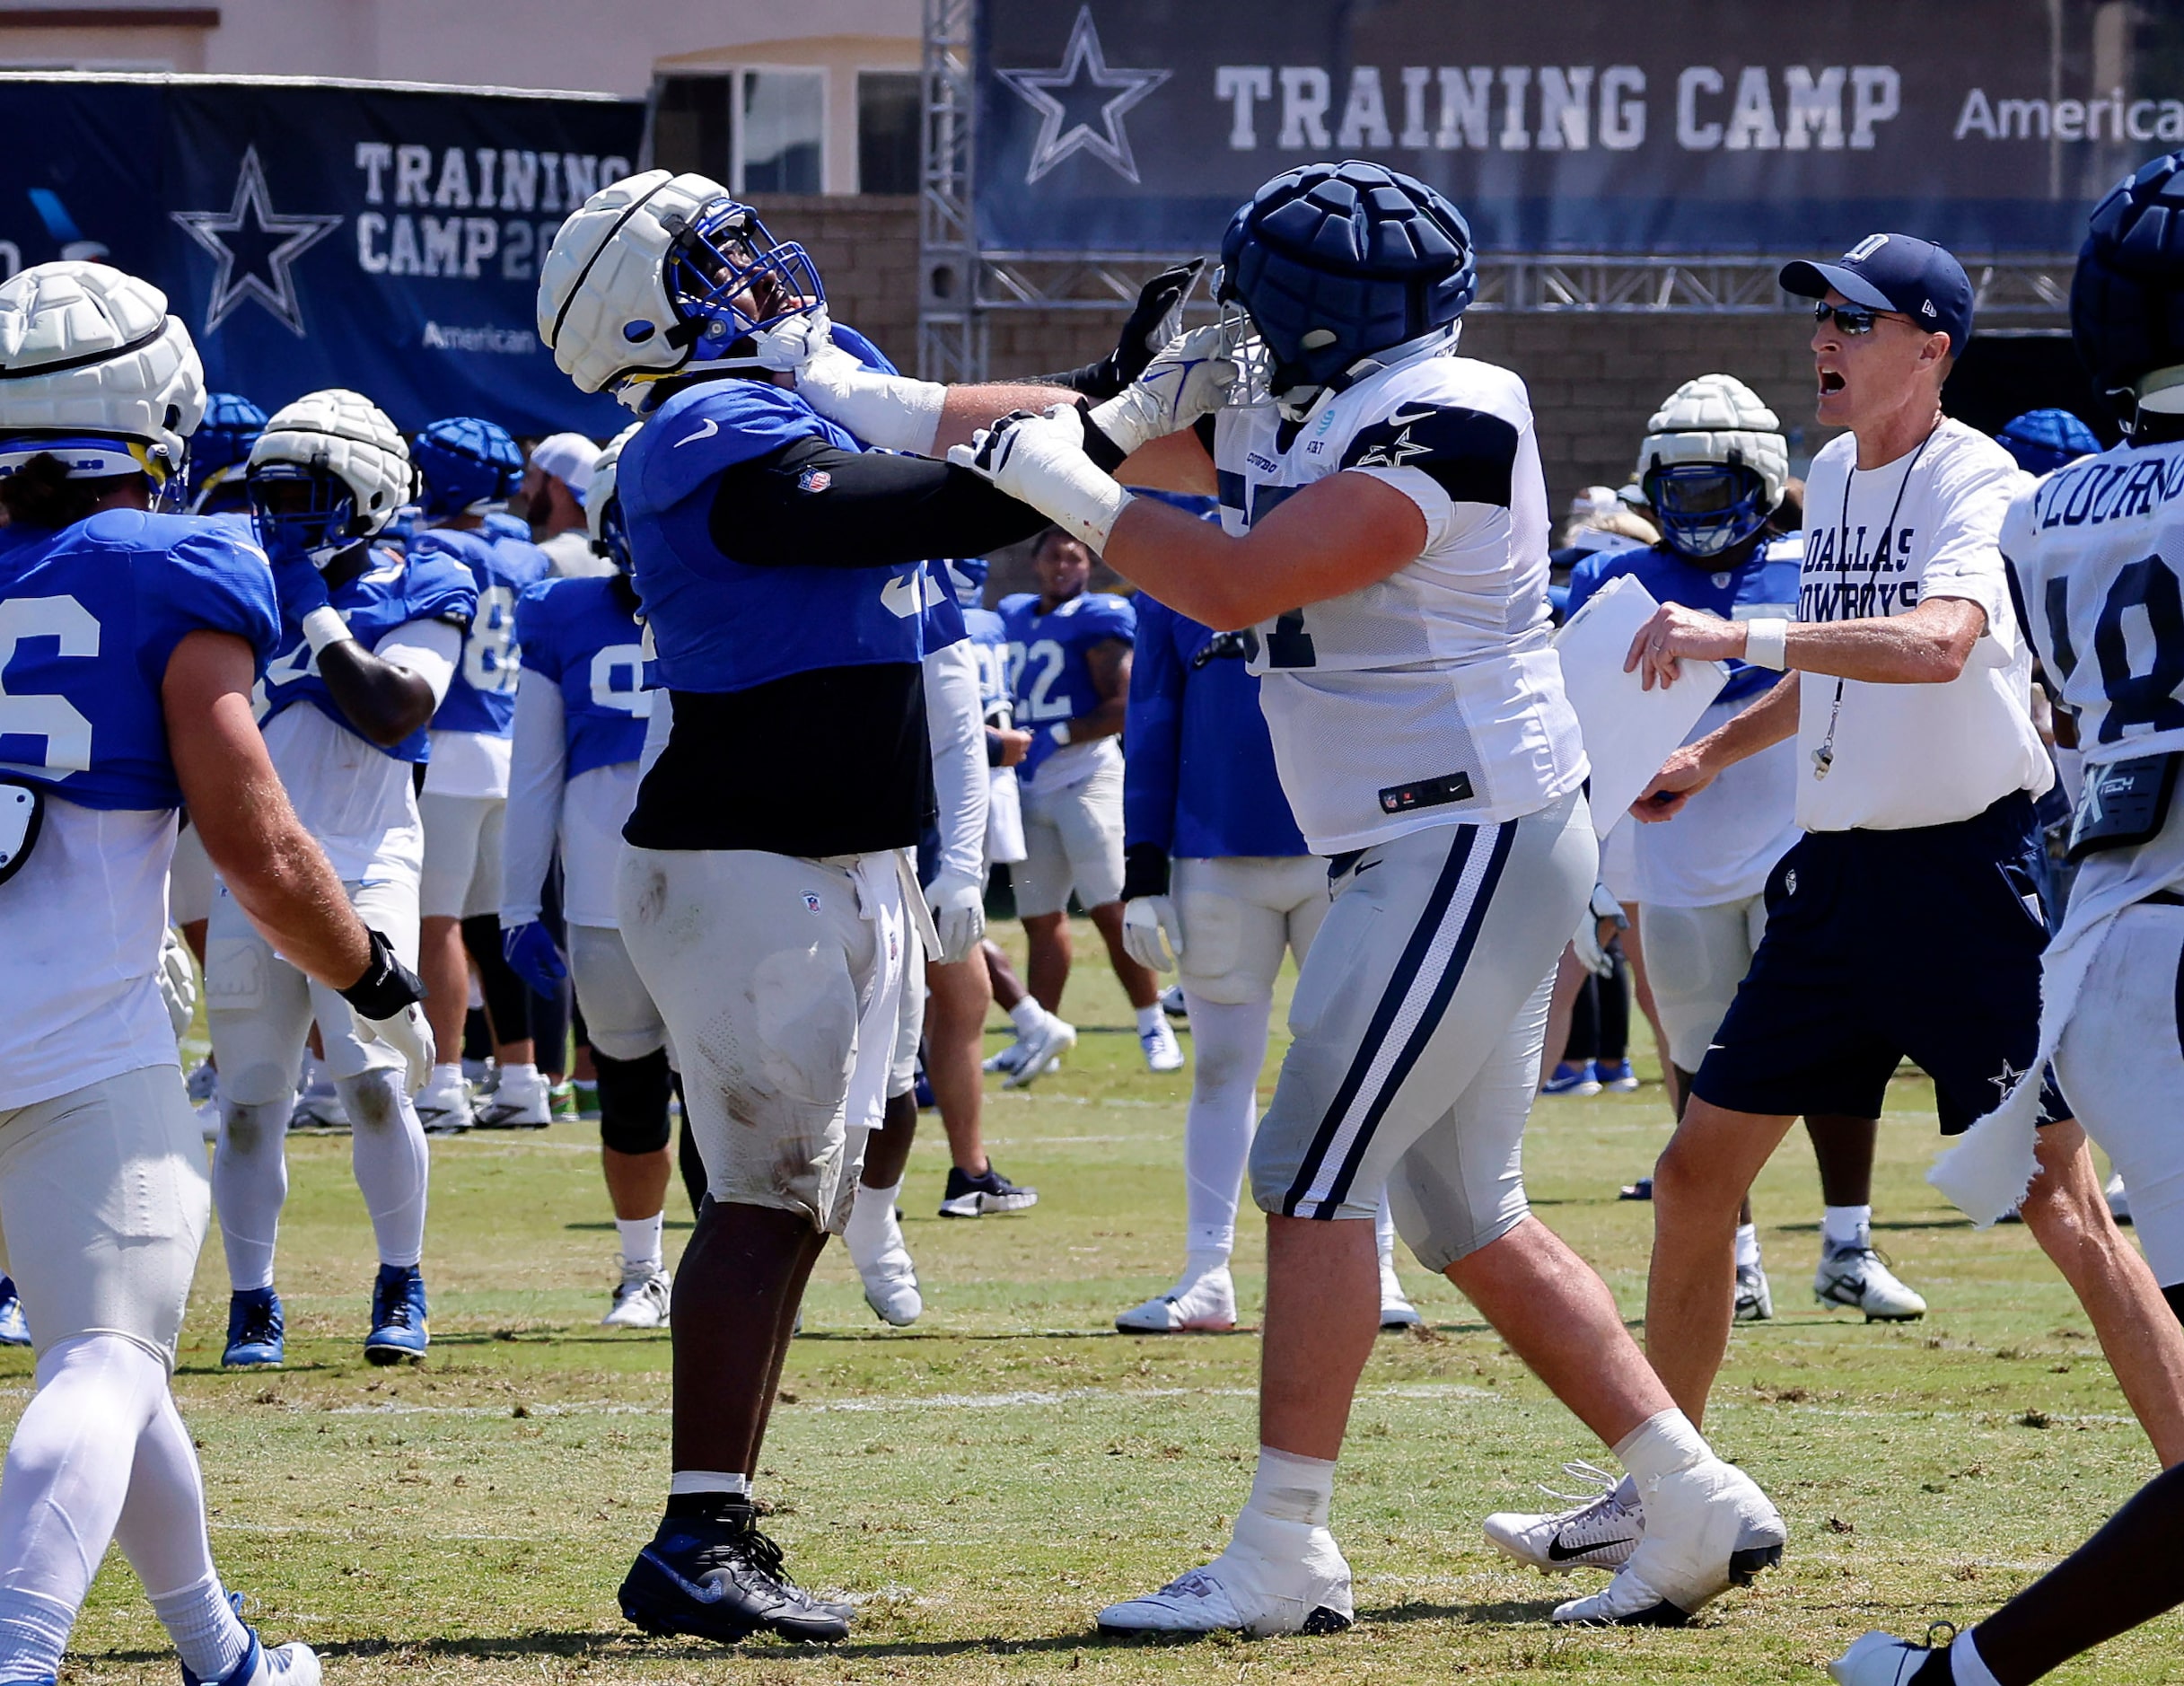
(1059, 730)
(387, 985)
(1145, 871)
(1765, 643)
(324, 625)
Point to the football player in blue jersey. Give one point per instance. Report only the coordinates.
(1200, 787)
(1069, 683)
(765, 897)
(130, 641)
(580, 721)
(219, 452)
(469, 468)
(369, 643)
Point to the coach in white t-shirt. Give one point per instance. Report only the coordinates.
(1907, 920)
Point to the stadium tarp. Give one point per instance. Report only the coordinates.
(1680, 127)
(324, 234)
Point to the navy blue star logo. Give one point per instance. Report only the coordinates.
(256, 248)
(1081, 105)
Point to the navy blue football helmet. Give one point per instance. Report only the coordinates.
(2044, 440)
(1336, 264)
(2126, 300)
(469, 465)
(219, 450)
(728, 278)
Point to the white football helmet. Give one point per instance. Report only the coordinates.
(94, 371)
(602, 511)
(1709, 424)
(354, 460)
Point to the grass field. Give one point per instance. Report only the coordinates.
(983, 1482)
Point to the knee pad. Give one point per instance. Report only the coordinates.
(633, 1102)
(372, 1099)
(255, 1128)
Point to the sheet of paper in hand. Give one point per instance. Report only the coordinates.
(1628, 731)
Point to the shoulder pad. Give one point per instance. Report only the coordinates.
(702, 430)
(862, 349)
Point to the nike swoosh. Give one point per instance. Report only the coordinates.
(1556, 1554)
(1364, 867)
(707, 432)
(1400, 420)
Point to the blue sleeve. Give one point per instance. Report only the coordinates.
(535, 624)
(862, 349)
(210, 580)
(700, 432)
(1107, 617)
(436, 586)
(1153, 729)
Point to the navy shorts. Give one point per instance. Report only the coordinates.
(1882, 946)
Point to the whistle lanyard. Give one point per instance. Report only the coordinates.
(1823, 758)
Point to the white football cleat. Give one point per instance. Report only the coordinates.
(1276, 1577)
(1856, 1277)
(1162, 1052)
(1042, 1052)
(1206, 1305)
(443, 1103)
(2119, 1200)
(1755, 1299)
(1600, 1533)
(1397, 1312)
(520, 1101)
(642, 1300)
(1707, 1528)
(887, 1273)
(1880, 1659)
(1003, 1061)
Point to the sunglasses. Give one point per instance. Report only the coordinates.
(1853, 319)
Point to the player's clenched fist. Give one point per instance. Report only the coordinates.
(1040, 460)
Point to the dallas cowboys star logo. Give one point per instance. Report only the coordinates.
(2006, 1079)
(256, 248)
(1081, 106)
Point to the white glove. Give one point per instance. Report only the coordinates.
(177, 980)
(410, 1034)
(891, 412)
(1147, 921)
(959, 915)
(1591, 952)
(1040, 460)
(1190, 378)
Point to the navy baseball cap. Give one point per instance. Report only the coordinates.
(1894, 272)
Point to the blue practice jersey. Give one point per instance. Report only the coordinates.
(1200, 781)
(583, 636)
(428, 585)
(1049, 679)
(89, 617)
(1764, 585)
(502, 560)
(989, 639)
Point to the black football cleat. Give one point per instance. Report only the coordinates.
(719, 1578)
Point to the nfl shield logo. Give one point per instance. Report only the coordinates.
(810, 900)
(814, 480)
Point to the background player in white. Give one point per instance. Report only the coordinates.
(580, 721)
(1907, 920)
(556, 499)
(467, 467)
(1241, 891)
(369, 641)
(1385, 536)
(130, 641)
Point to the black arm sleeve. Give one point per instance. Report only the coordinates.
(811, 504)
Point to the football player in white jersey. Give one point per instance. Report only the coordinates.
(130, 640)
(1384, 534)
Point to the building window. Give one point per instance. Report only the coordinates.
(889, 107)
(758, 131)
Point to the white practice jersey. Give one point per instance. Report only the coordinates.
(1433, 697)
(2097, 548)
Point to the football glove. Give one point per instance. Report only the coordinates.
(1190, 378)
(1154, 320)
(297, 583)
(385, 1002)
(533, 956)
(1040, 460)
(888, 412)
(178, 981)
(959, 915)
(1591, 948)
(1153, 932)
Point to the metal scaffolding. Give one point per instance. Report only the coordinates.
(950, 325)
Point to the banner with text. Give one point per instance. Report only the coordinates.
(325, 235)
(1694, 126)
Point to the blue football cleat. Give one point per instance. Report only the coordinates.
(14, 1328)
(255, 1332)
(1579, 1077)
(294, 1663)
(720, 1579)
(398, 1316)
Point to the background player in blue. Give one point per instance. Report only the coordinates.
(469, 468)
(580, 721)
(2043, 440)
(1069, 683)
(369, 641)
(763, 895)
(1200, 787)
(129, 647)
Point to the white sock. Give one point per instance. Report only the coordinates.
(519, 1084)
(641, 1241)
(1662, 1445)
(1748, 1246)
(1291, 1488)
(391, 1160)
(208, 1635)
(1383, 1235)
(1150, 1019)
(250, 1187)
(1966, 1665)
(687, 1481)
(68, 1474)
(1027, 1015)
(446, 1079)
(1229, 1044)
(1846, 1226)
(871, 1227)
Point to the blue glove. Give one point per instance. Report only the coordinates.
(530, 951)
(298, 585)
